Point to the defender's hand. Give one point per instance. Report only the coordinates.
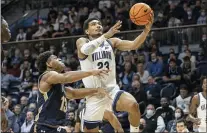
(113, 30)
(103, 92)
(100, 72)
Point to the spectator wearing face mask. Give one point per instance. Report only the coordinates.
(178, 115)
(166, 110)
(154, 122)
(183, 100)
(142, 125)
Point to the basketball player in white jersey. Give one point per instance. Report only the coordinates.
(96, 52)
(198, 106)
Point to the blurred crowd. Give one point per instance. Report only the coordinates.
(68, 21)
(162, 83)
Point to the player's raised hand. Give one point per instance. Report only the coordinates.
(100, 72)
(151, 20)
(113, 30)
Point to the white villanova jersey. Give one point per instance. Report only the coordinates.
(102, 57)
(201, 113)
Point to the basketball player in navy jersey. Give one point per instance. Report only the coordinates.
(198, 107)
(97, 52)
(52, 97)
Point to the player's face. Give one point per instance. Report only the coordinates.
(204, 86)
(56, 63)
(94, 28)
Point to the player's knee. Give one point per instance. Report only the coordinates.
(133, 107)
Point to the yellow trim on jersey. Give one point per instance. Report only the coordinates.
(44, 95)
(37, 118)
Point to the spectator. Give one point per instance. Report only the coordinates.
(71, 118)
(50, 31)
(136, 77)
(173, 73)
(178, 115)
(197, 9)
(187, 68)
(11, 119)
(61, 32)
(144, 74)
(138, 92)
(21, 36)
(155, 67)
(29, 121)
(181, 126)
(172, 56)
(7, 79)
(29, 33)
(154, 122)
(41, 31)
(142, 125)
(17, 57)
(183, 54)
(202, 18)
(61, 18)
(166, 110)
(183, 100)
(153, 91)
(126, 76)
(77, 30)
(95, 14)
(192, 57)
(189, 19)
(27, 81)
(24, 104)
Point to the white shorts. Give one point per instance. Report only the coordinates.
(202, 128)
(95, 107)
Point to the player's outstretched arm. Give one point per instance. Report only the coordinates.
(125, 45)
(86, 47)
(193, 108)
(83, 92)
(73, 76)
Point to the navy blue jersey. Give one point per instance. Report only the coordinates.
(52, 105)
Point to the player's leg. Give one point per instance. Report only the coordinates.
(94, 114)
(126, 102)
(112, 119)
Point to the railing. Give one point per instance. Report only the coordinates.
(172, 36)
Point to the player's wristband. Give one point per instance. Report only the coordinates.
(91, 46)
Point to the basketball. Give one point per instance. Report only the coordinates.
(140, 13)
